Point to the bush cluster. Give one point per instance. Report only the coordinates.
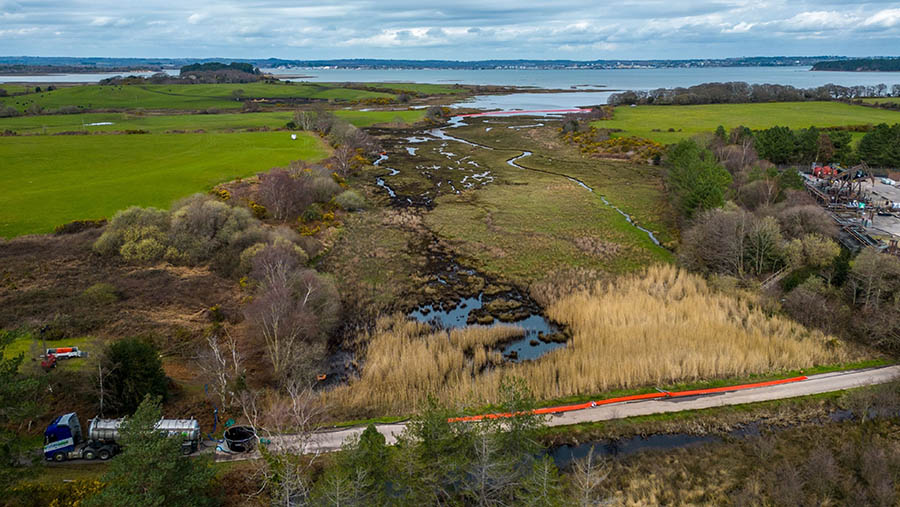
(199, 229)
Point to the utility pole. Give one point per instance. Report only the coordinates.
(100, 369)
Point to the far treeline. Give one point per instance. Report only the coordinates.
(738, 92)
(215, 66)
(879, 147)
(861, 65)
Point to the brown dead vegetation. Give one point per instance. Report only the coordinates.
(44, 278)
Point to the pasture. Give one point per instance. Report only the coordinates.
(655, 122)
(191, 97)
(51, 180)
(158, 124)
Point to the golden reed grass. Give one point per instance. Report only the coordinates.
(659, 327)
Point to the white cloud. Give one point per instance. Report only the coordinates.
(886, 18)
(196, 18)
(742, 27)
(462, 29)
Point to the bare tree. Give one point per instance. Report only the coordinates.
(306, 120)
(588, 475)
(875, 276)
(222, 363)
(491, 474)
(343, 159)
(286, 420)
(797, 221)
(716, 243)
(292, 311)
(283, 194)
(763, 245)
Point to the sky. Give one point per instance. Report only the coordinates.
(451, 30)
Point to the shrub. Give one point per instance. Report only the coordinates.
(323, 188)
(117, 232)
(101, 293)
(143, 244)
(201, 225)
(259, 211)
(79, 226)
(350, 200)
(312, 213)
(226, 261)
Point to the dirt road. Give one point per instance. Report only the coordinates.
(327, 441)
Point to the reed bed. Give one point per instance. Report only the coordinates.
(658, 327)
(408, 360)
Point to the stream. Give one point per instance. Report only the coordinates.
(541, 336)
(565, 455)
(513, 162)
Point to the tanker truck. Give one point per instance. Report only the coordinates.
(63, 438)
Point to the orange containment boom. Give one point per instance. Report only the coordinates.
(634, 397)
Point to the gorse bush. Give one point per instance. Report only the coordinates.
(201, 225)
(131, 226)
(101, 293)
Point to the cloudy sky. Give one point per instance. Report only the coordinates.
(451, 29)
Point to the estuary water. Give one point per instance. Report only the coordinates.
(581, 79)
(617, 79)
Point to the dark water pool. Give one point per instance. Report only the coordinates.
(529, 347)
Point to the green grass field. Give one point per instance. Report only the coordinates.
(687, 121)
(183, 97)
(47, 181)
(15, 88)
(883, 100)
(50, 124)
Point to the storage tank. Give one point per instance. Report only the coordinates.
(107, 430)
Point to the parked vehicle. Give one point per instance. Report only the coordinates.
(65, 353)
(63, 438)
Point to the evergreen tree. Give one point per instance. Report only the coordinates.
(542, 487)
(151, 471)
(698, 182)
(881, 146)
(134, 371)
(777, 145)
(17, 394)
(842, 142)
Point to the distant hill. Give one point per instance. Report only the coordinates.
(860, 65)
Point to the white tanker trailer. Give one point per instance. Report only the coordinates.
(63, 438)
